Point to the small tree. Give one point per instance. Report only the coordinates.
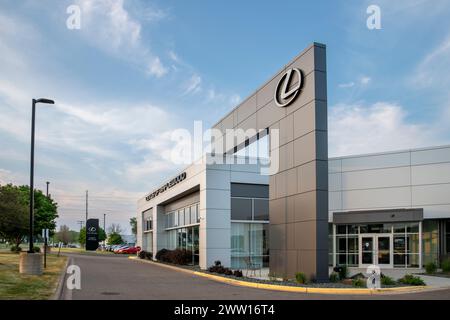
(133, 224)
(115, 228)
(114, 238)
(64, 235)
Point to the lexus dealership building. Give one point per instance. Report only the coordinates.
(308, 212)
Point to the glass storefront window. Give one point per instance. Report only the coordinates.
(241, 209)
(399, 228)
(261, 209)
(181, 220)
(447, 236)
(249, 241)
(352, 229)
(341, 229)
(430, 241)
(412, 228)
(405, 243)
(175, 219)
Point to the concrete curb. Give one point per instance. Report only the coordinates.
(358, 291)
(59, 287)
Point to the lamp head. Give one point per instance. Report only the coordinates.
(43, 100)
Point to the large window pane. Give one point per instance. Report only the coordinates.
(399, 244)
(175, 219)
(430, 241)
(412, 260)
(241, 209)
(181, 217)
(353, 244)
(341, 244)
(352, 229)
(341, 229)
(412, 228)
(249, 241)
(399, 228)
(261, 209)
(412, 243)
(399, 260)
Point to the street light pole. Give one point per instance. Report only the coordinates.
(47, 187)
(33, 116)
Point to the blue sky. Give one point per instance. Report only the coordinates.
(136, 70)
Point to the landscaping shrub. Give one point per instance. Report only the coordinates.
(445, 265)
(220, 269)
(160, 254)
(300, 277)
(386, 280)
(177, 256)
(411, 280)
(358, 283)
(343, 272)
(148, 255)
(238, 273)
(228, 272)
(334, 277)
(358, 276)
(430, 267)
(16, 249)
(142, 254)
(217, 263)
(36, 249)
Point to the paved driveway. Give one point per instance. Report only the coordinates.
(117, 277)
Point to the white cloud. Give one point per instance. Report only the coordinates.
(235, 99)
(107, 25)
(347, 85)
(357, 129)
(434, 69)
(193, 85)
(362, 81)
(365, 80)
(5, 177)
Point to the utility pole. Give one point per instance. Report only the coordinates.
(45, 234)
(86, 214)
(104, 226)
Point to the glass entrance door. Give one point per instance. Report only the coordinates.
(375, 249)
(367, 252)
(384, 250)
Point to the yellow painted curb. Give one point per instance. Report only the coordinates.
(257, 285)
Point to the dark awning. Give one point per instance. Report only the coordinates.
(377, 216)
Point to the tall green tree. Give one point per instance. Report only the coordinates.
(133, 224)
(45, 210)
(14, 223)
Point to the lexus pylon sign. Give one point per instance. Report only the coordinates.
(92, 234)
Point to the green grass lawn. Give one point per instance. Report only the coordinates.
(80, 251)
(14, 285)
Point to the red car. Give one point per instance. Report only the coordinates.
(129, 250)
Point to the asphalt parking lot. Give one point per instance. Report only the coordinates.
(117, 277)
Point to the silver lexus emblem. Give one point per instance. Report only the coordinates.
(283, 95)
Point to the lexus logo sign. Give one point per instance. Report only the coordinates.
(284, 95)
